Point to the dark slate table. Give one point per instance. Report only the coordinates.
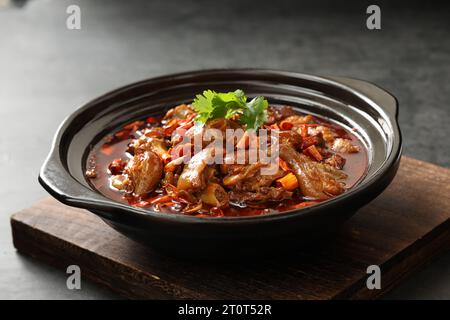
(47, 71)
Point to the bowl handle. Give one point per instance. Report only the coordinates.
(61, 185)
(378, 95)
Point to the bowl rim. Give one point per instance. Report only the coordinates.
(81, 196)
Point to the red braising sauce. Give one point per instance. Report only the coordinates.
(115, 146)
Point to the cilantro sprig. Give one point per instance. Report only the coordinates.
(213, 105)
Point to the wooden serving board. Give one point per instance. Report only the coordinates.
(399, 231)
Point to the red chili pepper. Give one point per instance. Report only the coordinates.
(170, 127)
(106, 149)
(133, 126)
(284, 125)
(182, 200)
(283, 165)
(307, 203)
(304, 130)
(274, 126)
(160, 199)
(151, 120)
(191, 116)
(122, 134)
(216, 212)
(140, 204)
(154, 132)
(179, 150)
(302, 205)
(186, 125)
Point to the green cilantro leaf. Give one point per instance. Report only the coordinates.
(213, 105)
(203, 105)
(255, 114)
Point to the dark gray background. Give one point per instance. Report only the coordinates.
(47, 71)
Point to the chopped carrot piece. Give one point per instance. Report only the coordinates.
(288, 182)
(314, 153)
(133, 126)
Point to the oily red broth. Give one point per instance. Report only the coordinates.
(115, 146)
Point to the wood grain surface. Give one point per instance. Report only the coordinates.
(399, 231)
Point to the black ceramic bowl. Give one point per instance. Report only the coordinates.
(351, 103)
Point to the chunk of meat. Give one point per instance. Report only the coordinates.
(263, 195)
(257, 181)
(290, 138)
(327, 133)
(207, 134)
(336, 161)
(279, 113)
(154, 144)
(222, 124)
(159, 147)
(247, 176)
(192, 176)
(240, 172)
(190, 135)
(344, 146)
(214, 195)
(297, 120)
(91, 173)
(316, 180)
(143, 173)
(179, 112)
(117, 166)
